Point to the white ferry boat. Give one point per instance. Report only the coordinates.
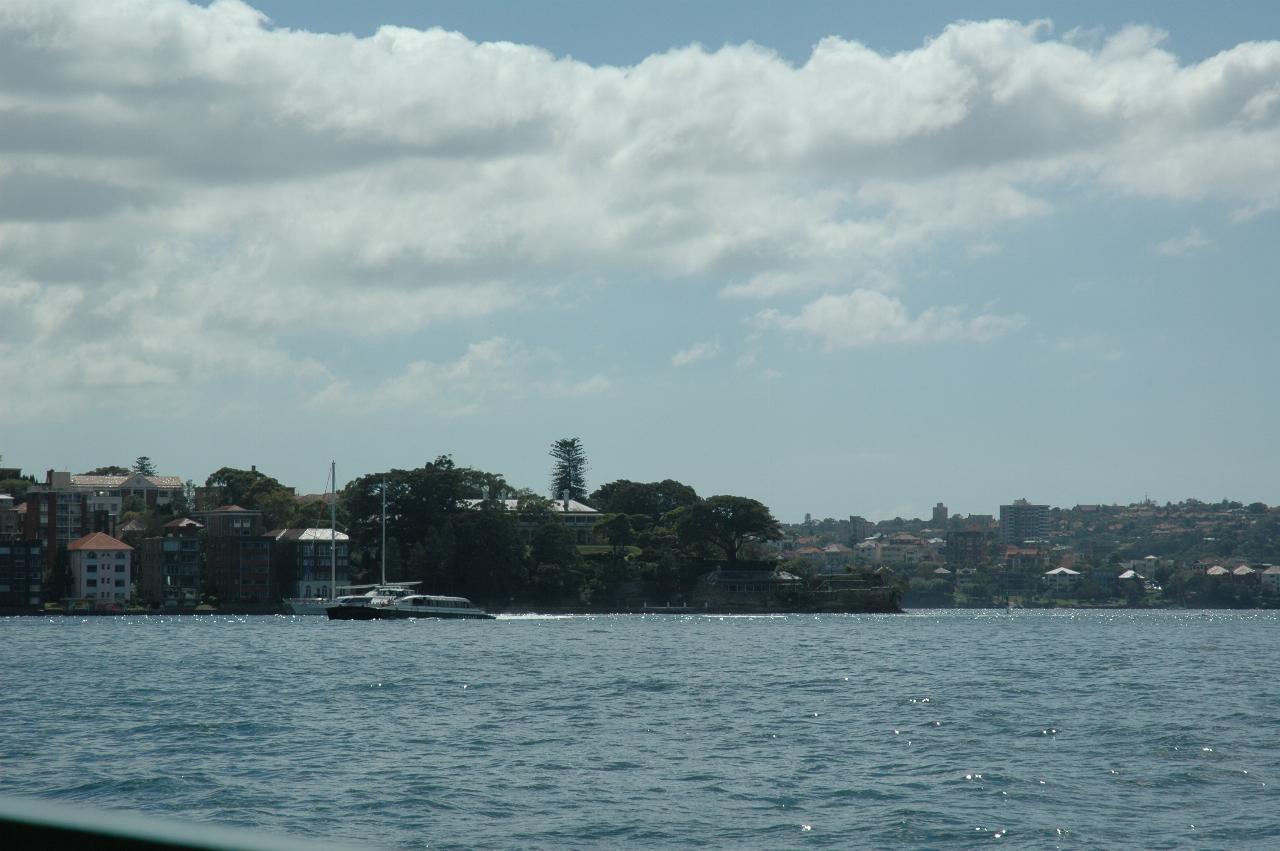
(412, 606)
(378, 596)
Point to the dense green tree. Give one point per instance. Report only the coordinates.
(257, 491)
(143, 466)
(568, 473)
(726, 523)
(617, 530)
(489, 556)
(109, 470)
(552, 543)
(652, 499)
(16, 488)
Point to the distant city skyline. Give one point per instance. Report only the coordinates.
(844, 260)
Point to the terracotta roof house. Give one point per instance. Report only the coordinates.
(101, 569)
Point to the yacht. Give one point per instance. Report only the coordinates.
(435, 606)
(412, 606)
(377, 597)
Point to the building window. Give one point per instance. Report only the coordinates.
(91, 583)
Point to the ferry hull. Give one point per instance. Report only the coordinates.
(352, 613)
(371, 613)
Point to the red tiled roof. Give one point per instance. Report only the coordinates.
(98, 541)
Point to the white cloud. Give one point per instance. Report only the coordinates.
(496, 367)
(979, 250)
(1090, 344)
(697, 352)
(1193, 241)
(189, 173)
(865, 318)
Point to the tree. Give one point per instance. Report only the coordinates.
(143, 466)
(110, 470)
(727, 523)
(617, 530)
(652, 499)
(257, 492)
(16, 488)
(569, 471)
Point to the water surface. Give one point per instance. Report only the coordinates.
(935, 729)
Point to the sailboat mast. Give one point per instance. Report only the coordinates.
(333, 532)
(384, 531)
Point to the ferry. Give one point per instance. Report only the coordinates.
(412, 606)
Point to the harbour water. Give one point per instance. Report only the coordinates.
(934, 729)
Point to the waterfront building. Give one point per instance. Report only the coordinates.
(237, 555)
(1062, 580)
(304, 561)
(1022, 521)
(1271, 581)
(66, 507)
(169, 569)
(101, 569)
(21, 573)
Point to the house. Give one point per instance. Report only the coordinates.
(1217, 570)
(1061, 579)
(101, 569)
(1244, 573)
(837, 555)
(1271, 581)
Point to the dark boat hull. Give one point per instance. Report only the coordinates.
(402, 614)
(352, 613)
(381, 613)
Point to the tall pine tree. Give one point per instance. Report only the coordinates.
(569, 471)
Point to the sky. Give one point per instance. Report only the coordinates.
(841, 258)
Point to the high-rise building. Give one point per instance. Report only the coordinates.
(169, 571)
(1022, 521)
(237, 555)
(939, 515)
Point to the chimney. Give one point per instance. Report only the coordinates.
(564, 495)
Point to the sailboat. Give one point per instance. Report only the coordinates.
(375, 597)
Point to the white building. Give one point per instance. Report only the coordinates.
(1062, 579)
(101, 568)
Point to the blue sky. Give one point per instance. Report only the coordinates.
(845, 259)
